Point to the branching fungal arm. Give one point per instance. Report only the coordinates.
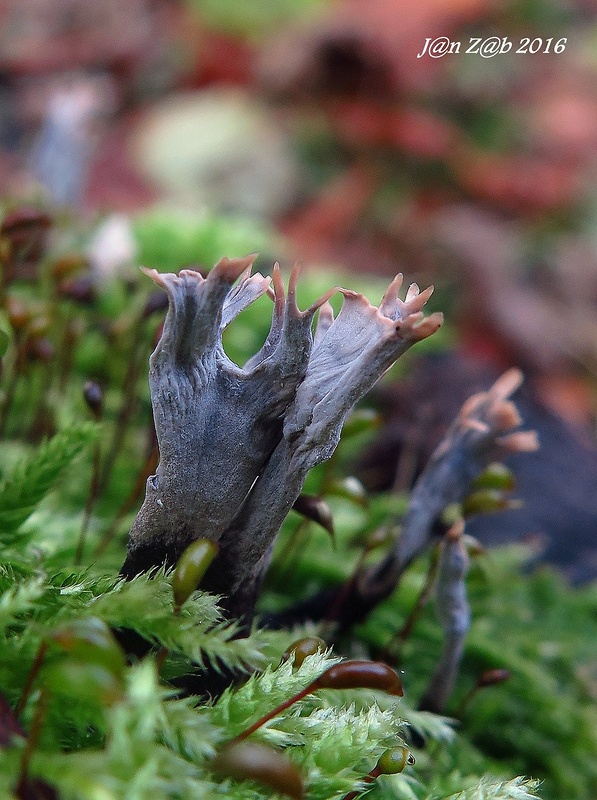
(236, 444)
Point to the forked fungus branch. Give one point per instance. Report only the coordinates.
(236, 443)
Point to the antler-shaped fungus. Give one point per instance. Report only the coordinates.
(483, 431)
(237, 443)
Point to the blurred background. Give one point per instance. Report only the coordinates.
(317, 128)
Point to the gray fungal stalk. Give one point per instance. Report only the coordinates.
(237, 443)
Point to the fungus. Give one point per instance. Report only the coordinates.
(236, 443)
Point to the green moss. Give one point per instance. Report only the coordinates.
(150, 743)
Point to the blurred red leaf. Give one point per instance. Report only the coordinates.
(518, 183)
(334, 211)
(223, 60)
(413, 131)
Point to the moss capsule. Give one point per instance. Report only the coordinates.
(491, 677)
(360, 675)
(495, 476)
(191, 567)
(394, 760)
(347, 675)
(18, 313)
(94, 397)
(258, 762)
(302, 648)
(486, 501)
